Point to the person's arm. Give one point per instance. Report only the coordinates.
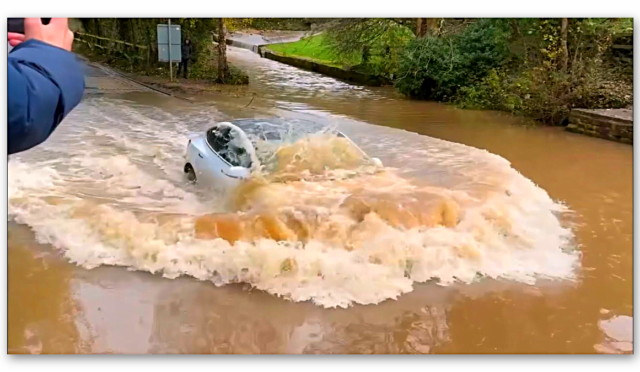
(44, 84)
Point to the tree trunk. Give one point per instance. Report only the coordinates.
(147, 42)
(433, 26)
(134, 29)
(365, 54)
(99, 31)
(564, 56)
(123, 33)
(427, 26)
(516, 29)
(223, 67)
(420, 30)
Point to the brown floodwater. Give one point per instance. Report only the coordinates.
(447, 249)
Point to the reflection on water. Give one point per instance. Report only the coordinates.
(478, 257)
(41, 308)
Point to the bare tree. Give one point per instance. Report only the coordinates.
(223, 67)
(564, 61)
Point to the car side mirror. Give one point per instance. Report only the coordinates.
(237, 172)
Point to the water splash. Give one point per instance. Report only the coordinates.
(319, 223)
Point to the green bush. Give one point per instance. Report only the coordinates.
(604, 90)
(437, 67)
(535, 85)
(385, 52)
(547, 96)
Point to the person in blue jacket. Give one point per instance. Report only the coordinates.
(45, 82)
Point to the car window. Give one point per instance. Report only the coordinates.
(229, 146)
(218, 138)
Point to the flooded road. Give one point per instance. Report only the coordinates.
(523, 248)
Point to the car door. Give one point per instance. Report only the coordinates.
(209, 162)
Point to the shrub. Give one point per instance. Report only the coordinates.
(437, 67)
(533, 84)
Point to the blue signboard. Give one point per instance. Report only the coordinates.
(166, 34)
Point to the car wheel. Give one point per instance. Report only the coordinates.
(191, 173)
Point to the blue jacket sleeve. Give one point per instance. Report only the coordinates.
(44, 84)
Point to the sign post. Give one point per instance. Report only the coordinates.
(169, 45)
(170, 64)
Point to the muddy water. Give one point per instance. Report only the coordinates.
(446, 249)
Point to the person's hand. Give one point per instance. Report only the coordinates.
(56, 33)
(15, 38)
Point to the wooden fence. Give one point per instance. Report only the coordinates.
(82, 34)
(113, 46)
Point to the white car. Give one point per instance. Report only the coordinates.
(226, 154)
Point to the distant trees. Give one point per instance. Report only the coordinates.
(209, 60)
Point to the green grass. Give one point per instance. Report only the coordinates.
(313, 48)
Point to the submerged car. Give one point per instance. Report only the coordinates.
(228, 152)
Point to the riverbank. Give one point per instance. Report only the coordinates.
(485, 65)
(615, 125)
(328, 70)
(181, 86)
(313, 48)
(311, 53)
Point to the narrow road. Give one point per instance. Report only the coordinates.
(255, 39)
(101, 80)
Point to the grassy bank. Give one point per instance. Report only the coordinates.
(314, 48)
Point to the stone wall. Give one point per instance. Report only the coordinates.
(615, 124)
(241, 44)
(336, 72)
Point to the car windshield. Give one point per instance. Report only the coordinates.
(269, 136)
(276, 130)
